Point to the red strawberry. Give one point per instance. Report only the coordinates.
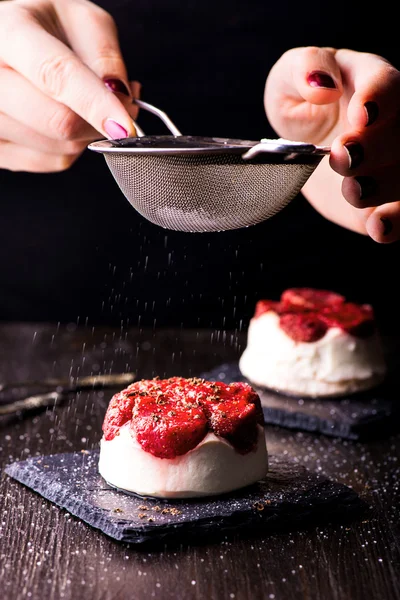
(235, 415)
(169, 432)
(264, 306)
(118, 413)
(306, 314)
(170, 417)
(309, 299)
(356, 319)
(303, 327)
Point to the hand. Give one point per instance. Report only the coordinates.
(60, 63)
(350, 101)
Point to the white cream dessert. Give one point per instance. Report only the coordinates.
(183, 438)
(213, 467)
(313, 343)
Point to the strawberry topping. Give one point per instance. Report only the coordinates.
(356, 319)
(169, 417)
(305, 314)
(264, 306)
(303, 327)
(119, 411)
(310, 299)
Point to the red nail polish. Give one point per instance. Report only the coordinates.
(117, 86)
(321, 79)
(368, 186)
(356, 154)
(371, 108)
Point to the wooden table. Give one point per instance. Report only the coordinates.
(46, 553)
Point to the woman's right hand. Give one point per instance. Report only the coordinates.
(347, 100)
(63, 80)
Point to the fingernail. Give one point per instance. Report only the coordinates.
(320, 79)
(355, 154)
(368, 186)
(371, 108)
(387, 225)
(117, 86)
(114, 130)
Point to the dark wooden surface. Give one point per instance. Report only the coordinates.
(47, 554)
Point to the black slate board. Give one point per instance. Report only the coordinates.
(362, 416)
(289, 497)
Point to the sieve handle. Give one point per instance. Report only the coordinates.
(160, 114)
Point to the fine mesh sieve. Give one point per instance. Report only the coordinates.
(203, 184)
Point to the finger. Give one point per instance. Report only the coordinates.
(45, 115)
(376, 85)
(300, 89)
(23, 159)
(17, 133)
(58, 72)
(380, 187)
(361, 153)
(136, 88)
(96, 44)
(383, 225)
(315, 75)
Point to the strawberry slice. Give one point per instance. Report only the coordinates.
(170, 429)
(119, 412)
(235, 416)
(356, 319)
(310, 299)
(303, 327)
(264, 306)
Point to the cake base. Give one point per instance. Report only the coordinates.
(362, 416)
(290, 497)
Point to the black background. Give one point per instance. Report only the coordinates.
(73, 249)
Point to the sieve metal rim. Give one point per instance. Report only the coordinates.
(122, 146)
(168, 145)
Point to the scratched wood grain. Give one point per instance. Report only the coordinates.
(47, 554)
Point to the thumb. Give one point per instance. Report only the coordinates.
(97, 46)
(300, 92)
(316, 75)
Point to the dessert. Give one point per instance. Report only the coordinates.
(313, 343)
(182, 438)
